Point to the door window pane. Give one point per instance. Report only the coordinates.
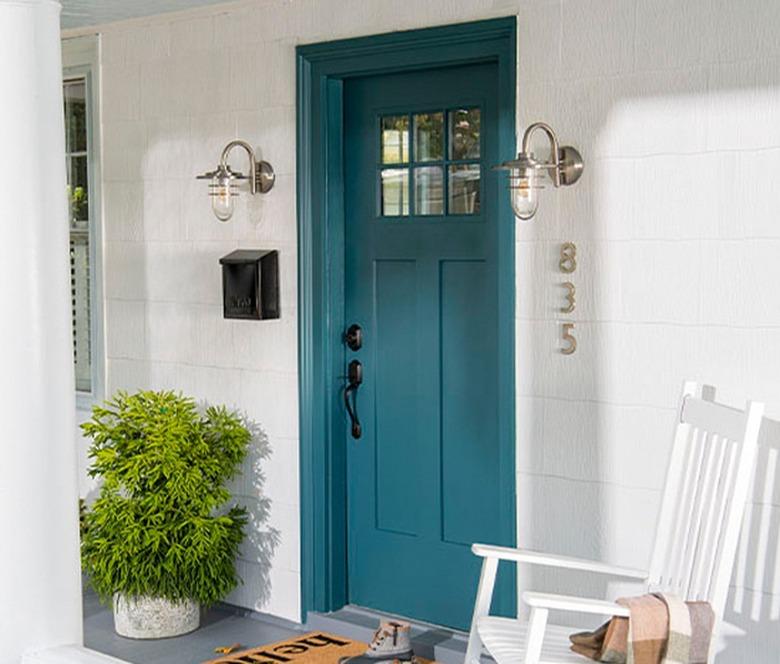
(429, 190)
(395, 139)
(429, 137)
(464, 133)
(395, 192)
(464, 189)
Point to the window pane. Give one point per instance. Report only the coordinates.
(464, 133)
(429, 190)
(75, 116)
(464, 189)
(395, 139)
(429, 136)
(78, 189)
(395, 192)
(80, 314)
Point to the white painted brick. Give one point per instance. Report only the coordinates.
(664, 36)
(674, 196)
(742, 110)
(539, 42)
(191, 34)
(128, 375)
(281, 485)
(124, 149)
(740, 274)
(210, 133)
(662, 281)
(126, 277)
(744, 30)
(123, 216)
(271, 132)
(286, 590)
(286, 520)
(125, 329)
(597, 41)
(168, 148)
(654, 113)
(272, 398)
(169, 333)
(269, 220)
(535, 300)
(120, 92)
(530, 435)
(162, 217)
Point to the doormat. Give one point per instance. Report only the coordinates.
(311, 648)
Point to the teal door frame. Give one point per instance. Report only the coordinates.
(321, 70)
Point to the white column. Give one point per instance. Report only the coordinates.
(40, 583)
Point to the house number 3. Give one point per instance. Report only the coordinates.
(567, 265)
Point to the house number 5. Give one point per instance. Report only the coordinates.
(569, 338)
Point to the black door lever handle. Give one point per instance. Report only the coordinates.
(354, 380)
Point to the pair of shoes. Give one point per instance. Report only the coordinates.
(391, 643)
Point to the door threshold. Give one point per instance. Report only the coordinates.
(443, 644)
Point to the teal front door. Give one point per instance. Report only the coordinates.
(425, 478)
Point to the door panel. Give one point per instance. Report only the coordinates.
(421, 279)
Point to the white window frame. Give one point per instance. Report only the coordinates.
(81, 59)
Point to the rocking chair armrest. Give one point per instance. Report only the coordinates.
(553, 560)
(571, 603)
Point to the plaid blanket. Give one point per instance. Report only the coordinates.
(662, 630)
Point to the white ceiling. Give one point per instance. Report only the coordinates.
(82, 13)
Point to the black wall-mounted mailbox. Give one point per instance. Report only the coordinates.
(250, 284)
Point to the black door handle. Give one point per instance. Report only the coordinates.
(354, 380)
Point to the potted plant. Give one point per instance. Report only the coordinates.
(161, 540)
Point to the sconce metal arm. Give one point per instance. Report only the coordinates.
(554, 165)
(261, 175)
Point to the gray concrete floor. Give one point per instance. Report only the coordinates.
(219, 627)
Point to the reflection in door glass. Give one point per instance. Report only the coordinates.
(429, 190)
(464, 189)
(429, 137)
(395, 192)
(395, 139)
(464, 133)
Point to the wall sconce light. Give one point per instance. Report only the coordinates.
(526, 173)
(224, 180)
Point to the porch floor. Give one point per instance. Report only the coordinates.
(225, 625)
(219, 627)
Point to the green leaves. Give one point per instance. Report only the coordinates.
(155, 530)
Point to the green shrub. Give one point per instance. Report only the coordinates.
(161, 525)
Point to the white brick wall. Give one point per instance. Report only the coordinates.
(676, 109)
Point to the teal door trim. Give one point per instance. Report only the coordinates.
(321, 69)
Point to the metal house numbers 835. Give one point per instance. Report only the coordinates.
(567, 265)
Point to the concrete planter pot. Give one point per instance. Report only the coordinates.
(154, 617)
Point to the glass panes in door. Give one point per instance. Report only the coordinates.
(429, 163)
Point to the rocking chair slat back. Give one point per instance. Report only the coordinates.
(707, 485)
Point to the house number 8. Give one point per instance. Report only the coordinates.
(568, 262)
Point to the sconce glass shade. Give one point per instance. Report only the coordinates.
(222, 190)
(525, 181)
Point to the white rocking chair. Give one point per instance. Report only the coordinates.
(707, 485)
